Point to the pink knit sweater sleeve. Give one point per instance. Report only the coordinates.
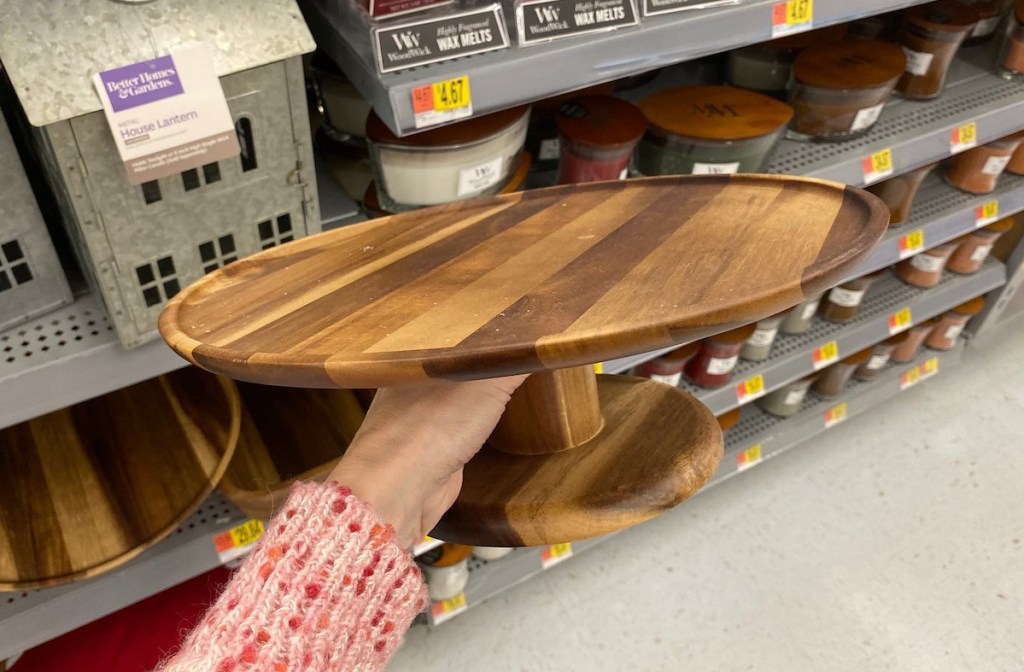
(327, 589)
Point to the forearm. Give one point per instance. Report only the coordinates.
(328, 588)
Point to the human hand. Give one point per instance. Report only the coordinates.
(406, 460)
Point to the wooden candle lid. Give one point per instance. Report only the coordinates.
(603, 122)
(544, 279)
(87, 488)
(944, 16)
(972, 307)
(850, 64)
(715, 112)
(453, 135)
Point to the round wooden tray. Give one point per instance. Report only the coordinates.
(87, 488)
(288, 434)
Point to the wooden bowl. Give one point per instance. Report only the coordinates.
(287, 434)
(87, 488)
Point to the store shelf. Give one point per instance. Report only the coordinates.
(32, 617)
(917, 132)
(341, 31)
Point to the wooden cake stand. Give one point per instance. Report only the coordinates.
(547, 281)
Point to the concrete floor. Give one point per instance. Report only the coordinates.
(893, 542)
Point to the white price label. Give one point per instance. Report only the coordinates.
(867, 117)
(847, 298)
(927, 263)
(672, 380)
(995, 165)
(918, 62)
(715, 168)
(478, 178)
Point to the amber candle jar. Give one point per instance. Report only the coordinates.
(952, 323)
(1016, 164)
(925, 268)
(843, 303)
(704, 130)
(909, 343)
(728, 420)
(800, 317)
(716, 359)
(759, 345)
(973, 249)
(899, 192)
(597, 135)
(977, 170)
(990, 13)
(1010, 62)
(839, 88)
(832, 380)
(668, 368)
(932, 34)
(788, 399)
(768, 66)
(880, 354)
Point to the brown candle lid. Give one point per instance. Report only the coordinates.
(682, 354)
(944, 15)
(601, 121)
(1002, 225)
(972, 307)
(859, 357)
(738, 335)
(463, 132)
(850, 64)
(729, 419)
(715, 112)
(806, 39)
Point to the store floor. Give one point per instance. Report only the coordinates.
(894, 541)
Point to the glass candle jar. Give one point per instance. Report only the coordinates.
(344, 109)
(728, 420)
(833, 379)
(1010, 62)
(973, 249)
(899, 192)
(839, 88)
(466, 159)
(668, 368)
(768, 66)
(925, 268)
(843, 303)
(952, 323)
(597, 135)
(977, 170)
(990, 13)
(759, 345)
(490, 553)
(788, 399)
(716, 359)
(800, 317)
(446, 570)
(932, 34)
(909, 343)
(704, 130)
(880, 354)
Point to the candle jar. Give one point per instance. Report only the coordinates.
(973, 249)
(899, 192)
(1016, 164)
(833, 379)
(925, 268)
(668, 368)
(840, 88)
(880, 354)
(728, 420)
(344, 110)
(1010, 62)
(977, 170)
(463, 160)
(716, 359)
(597, 135)
(446, 570)
(704, 130)
(952, 323)
(759, 345)
(908, 344)
(490, 552)
(843, 303)
(800, 317)
(990, 13)
(877, 27)
(768, 66)
(932, 33)
(788, 399)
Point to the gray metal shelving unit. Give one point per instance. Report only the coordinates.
(658, 41)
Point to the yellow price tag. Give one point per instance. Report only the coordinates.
(835, 415)
(792, 16)
(452, 94)
(986, 213)
(750, 389)
(247, 533)
(910, 377)
(911, 243)
(237, 541)
(454, 603)
(799, 11)
(554, 554)
(900, 321)
(877, 166)
(929, 368)
(963, 137)
(442, 610)
(599, 367)
(749, 457)
(825, 355)
(441, 102)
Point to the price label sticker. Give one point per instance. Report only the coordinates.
(427, 544)
(750, 389)
(929, 368)
(899, 321)
(835, 415)
(239, 540)
(963, 137)
(825, 355)
(910, 377)
(552, 555)
(442, 610)
(878, 166)
(599, 367)
(441, 102)
(792, 16)
(986, 213)
(749, 457)
(911, 244)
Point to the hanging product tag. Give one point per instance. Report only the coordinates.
(167, 114)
